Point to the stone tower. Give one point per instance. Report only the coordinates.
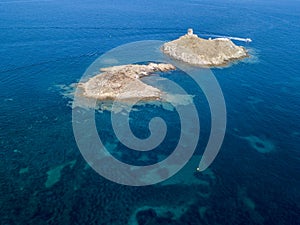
(190, 31)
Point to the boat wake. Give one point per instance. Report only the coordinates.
(231, 38)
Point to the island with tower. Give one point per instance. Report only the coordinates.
(125, 83)
(201, 52)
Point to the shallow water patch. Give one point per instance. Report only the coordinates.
(54, 174)
(261, 145)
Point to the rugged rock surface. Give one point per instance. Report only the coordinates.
(123, 83)
(202, 52)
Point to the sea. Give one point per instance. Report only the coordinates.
(47, 45)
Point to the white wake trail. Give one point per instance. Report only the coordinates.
(231, 38)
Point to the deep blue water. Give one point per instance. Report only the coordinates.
(50, 43)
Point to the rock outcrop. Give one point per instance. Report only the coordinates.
(202, 52)
(123, 83)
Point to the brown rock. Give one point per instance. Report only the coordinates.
(123, 83)
(205, 53)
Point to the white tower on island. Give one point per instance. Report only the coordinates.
(190, 31)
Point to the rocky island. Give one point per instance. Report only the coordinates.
(197, 51)
(124, 83)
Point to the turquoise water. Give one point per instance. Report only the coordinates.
(45, 180)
